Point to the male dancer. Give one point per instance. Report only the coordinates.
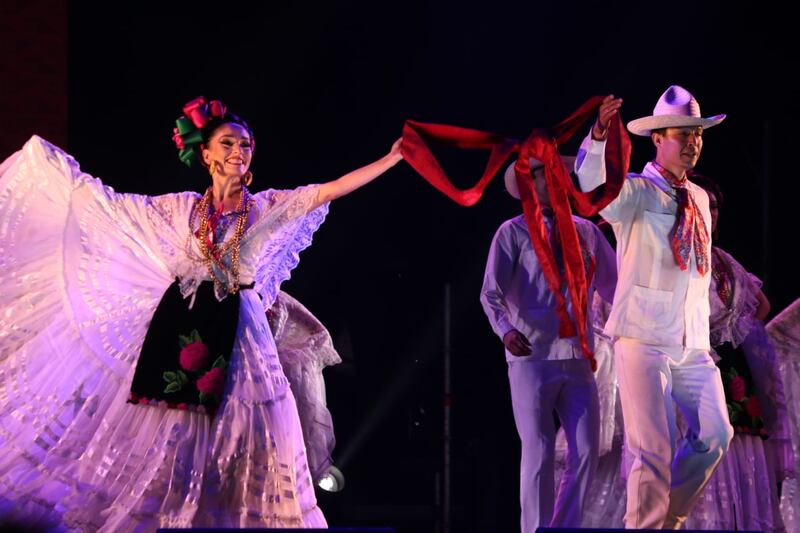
(546, 372)
(660, 311)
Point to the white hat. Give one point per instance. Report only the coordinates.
(511, 176)
(676, 108)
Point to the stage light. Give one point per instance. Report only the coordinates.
(332, 481)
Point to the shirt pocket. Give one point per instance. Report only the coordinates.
(657, 268)
(659, 219)
(650, 306)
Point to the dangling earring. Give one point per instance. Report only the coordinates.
(247, 178)
(212, 167)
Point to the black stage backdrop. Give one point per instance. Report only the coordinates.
(326, 88)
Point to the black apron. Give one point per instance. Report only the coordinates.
(159, 378)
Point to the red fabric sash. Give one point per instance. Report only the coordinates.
(541, 145)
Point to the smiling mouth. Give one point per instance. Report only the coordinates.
(235, 161)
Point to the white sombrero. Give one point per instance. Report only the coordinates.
(511, 176)
(676, 108)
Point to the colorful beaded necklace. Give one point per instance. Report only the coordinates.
(213, 254)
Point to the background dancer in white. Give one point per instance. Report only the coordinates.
(546, 373)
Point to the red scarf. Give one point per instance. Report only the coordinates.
(689, 231)
(541, 145)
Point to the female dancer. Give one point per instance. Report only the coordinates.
(139, 382)
(743, 493)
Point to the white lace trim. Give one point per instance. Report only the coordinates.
(732, 324)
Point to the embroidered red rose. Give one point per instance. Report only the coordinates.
(212, 381)
(194, 356)
(753, 407)
(737, 388)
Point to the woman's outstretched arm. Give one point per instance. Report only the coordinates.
(359, 177)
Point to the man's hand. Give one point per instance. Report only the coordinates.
(516, 343)
(607, 110)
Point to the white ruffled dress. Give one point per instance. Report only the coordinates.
(742, 494)
(82, 269)
(784, 332)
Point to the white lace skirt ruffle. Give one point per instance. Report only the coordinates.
(742, 494)
(75, 453)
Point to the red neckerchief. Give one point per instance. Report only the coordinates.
(689, 230)
(541, 145)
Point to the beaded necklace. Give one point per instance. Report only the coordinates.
(213, 255)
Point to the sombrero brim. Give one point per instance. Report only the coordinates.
(510, 176)
(645, 125)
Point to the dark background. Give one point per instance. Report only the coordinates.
(326, 87)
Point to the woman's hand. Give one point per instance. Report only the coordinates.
(395, 154)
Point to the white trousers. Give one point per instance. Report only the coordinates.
(538, 388)
(664, 483)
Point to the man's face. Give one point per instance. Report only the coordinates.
(679, 147)
(540, 187)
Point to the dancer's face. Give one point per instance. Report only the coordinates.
(231, 146)
(679, 147)
(540, 187)
(713, 206)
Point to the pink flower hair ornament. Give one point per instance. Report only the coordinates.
(187, 133)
